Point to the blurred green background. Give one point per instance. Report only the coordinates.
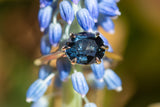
(137, 39)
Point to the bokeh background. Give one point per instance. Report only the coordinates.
(137, 39)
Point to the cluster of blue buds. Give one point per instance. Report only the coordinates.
(85, 46)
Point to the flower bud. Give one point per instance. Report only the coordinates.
(79, 83)
(44, 72)
(75, 1)
(98, 70)
(45, 45)
(42, 102)
(44, 3)
(44, 17)
(92, 7)
(36, 90)
(109, 9)
(64, 67)
(66, 11)
(55, 33)
(90, 105)
(112, 80)
(107, 24)
(85, 20)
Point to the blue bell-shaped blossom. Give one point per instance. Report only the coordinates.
(42, 102)
(98, 70)
(75, 1)
(79, 83)
(66, 11)
(85, 20)
(112, 80)
(92, 7)
(44, 72)
(95, 83)
(109, 9)
(36, 90)
(90, 105)
(44, 17)
(107, 24)
(55, 33)
(64, 67)
(45, 45)
(44, 3)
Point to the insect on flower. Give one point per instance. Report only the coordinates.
(82, 48)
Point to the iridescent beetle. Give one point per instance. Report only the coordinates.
(82, 48)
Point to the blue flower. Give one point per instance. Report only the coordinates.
(55, 33)
(45, 45)
(66, 11)
(44, 3)
(90, 105)
(109, 9)
(36, 90)
(98, 70)
(85, 20)
(44, 17)
(75, 1)
(112, 80)
(44, 72)
(107, 24)
(42, 102)
(79, 83)
(64, 67)
(92, 7)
